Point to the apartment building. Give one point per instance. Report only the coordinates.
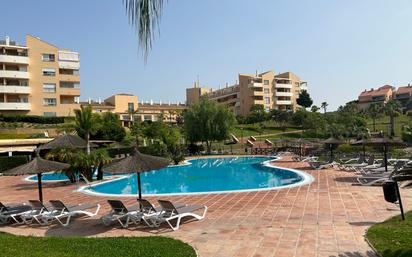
(383, 94)
(38, 78)
(129, 109)
(271, 90)
(379, 96)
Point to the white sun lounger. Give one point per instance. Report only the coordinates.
(120, 213)
(35, 214)
(61, 212)
(14, 213)
(170, 212)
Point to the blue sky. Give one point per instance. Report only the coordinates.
(339, 47)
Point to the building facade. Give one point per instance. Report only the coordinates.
(38, 78)
(271, 90)
(129, 109)
(383, 94)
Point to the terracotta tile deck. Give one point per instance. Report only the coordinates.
(326, 218)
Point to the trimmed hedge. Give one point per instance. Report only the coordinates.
(32, 119)
(7, 163)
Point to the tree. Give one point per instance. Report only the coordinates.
(281, 117)
(392, 109)
(111, 128)
(99, 158)
(304, 99)
(87, 123)
(137, 131)
(206, 121)
(374, 112)
(65, 155)
(145, 16)
(323, 106)
(257, 114)
(314, 108)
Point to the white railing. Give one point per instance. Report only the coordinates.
(69, 65)
(284, 93)
(284, 102)
(255, 84)
(14, 89)
(14, 59)
(14, 74)
(15, 106)
(280, 85)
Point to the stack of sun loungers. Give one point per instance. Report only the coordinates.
(143, 212)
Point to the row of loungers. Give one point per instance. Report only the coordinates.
(143, 212)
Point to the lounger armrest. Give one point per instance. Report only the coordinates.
(82, 207)
(189, 208)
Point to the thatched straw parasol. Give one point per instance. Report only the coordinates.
(37, 166)
(138, 163)
(331, 142)
(66, 141)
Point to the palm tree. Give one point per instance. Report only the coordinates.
(323, 106)
(86, 123)
(65, 155)
(145, 16)
(374, 112)
(83, 163)
(100, 157)
(392, 109)
(131, 116)
(314, 108)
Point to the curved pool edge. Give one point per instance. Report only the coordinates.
(29, 179)
(306, 179)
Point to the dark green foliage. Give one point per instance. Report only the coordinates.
(157, 149)
(206, 121)
(304, 99)
(110, 129)
(257, 114)
(392, 238)
(153, 246)
(32, 119)
(7, 163)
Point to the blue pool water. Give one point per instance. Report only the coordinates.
(205, 175)
(53, 177)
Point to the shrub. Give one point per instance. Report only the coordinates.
(7, 163)
(32, 119)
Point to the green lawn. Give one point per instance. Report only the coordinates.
(392, 238)
(15, 246)
(383, 124)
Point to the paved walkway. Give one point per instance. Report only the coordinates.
(326, 218)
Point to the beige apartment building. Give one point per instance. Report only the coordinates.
(129, 109)
(271, 90)
(38, 78)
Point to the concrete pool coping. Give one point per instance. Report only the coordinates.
(306, 179)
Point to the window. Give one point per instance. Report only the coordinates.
(49, 101)
(147, 117)
(49, 114)
(266, 90)
(266, 82)
(49, 72)
(67, 84)
(48, 57)
(130, 107)
(49, 88)
(267, 100)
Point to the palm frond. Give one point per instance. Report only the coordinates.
(145, 16)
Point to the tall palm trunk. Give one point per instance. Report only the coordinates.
(392, 124)
(88, 143)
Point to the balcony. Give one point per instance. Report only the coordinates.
(69, 78)
(14, 59)
(289, 94)
(14, 74)
(256, 84)
(280, 85)
(69, 91)
(14, 106)
(12, 89)
(284, 102)
(69, 65)
(257, 93)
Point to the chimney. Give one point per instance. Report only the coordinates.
(169, 103)
(195, 85)
(151, 102)
(99, 100)
(7, 40)
(160, 102)
(256, 73)
(227, 85)
(89, 100)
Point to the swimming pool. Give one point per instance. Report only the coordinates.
(54, 177)
(205, 175)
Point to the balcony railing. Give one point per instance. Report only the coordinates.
(281, 85)
(14, 89)
(14, 59)
(10, 106)
(14, 74)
